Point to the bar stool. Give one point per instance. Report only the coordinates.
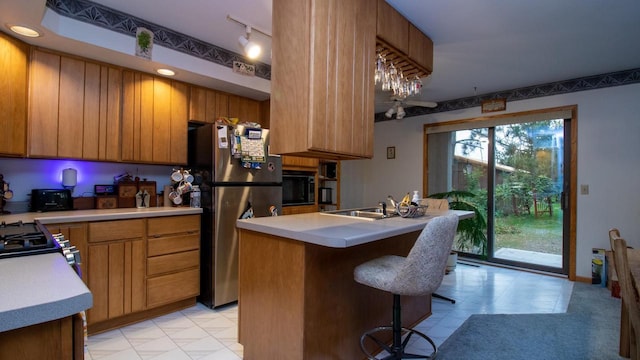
(418, 274)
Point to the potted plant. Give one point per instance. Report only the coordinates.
(471, 232)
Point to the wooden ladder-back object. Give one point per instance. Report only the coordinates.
(629, 329)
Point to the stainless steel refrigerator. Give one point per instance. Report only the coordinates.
(234, 184)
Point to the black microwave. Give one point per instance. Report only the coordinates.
(298, 188)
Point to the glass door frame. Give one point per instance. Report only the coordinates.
(569, 195)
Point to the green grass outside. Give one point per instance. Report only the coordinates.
(528, 232)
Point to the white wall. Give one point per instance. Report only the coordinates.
(608, 149)
(26, 174)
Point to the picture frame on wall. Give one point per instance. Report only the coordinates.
(391, 152)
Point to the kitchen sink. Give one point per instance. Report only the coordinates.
(372, 213)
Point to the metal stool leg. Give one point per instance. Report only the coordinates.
(443, 298)
(396, 350)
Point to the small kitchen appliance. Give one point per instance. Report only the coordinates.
(51, 200)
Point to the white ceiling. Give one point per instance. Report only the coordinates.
(480, 46)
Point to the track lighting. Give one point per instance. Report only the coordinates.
(251, 49)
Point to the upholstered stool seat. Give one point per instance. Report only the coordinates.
(418, 274)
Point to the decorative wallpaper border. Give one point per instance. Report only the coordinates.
(114, 20)
(102, 16)
(618, 78)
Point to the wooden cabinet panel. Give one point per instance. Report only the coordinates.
(101, 117)
(222, 105)
(173, 262)
(71, 103)
(173, 225)
(179, 124)
(98, 282)
(116, 230)
(161, 134)
(13, 102)
(392, 27)
(116, 279)
(296, 162)
(51, 340)
(92, 111)
(154, 119)
(265, 112)
(198, 104)
(43, 104)
(173, 259)
(162, 289)
(208, 105)
(420, 48)
(323, 105)
(110, 108)
(169, 244)
(303, 209)
(74, 108)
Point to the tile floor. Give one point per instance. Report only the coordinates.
(202, 333)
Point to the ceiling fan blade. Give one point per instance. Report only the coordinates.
(429, 104)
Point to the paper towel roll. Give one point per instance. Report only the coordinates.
(69, 177)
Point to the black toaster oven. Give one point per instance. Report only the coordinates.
(51, 200)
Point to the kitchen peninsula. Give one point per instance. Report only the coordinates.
(297, 296)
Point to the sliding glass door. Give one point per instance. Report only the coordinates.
(514, 175)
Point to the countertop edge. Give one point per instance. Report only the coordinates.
(52, 290)
(320, 229)
(72, 216)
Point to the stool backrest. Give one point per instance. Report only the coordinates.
(424, 267)
(627, 287)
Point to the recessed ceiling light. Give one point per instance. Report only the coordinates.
(166, 72)
(24, 31)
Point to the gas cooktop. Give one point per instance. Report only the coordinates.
(20, 239)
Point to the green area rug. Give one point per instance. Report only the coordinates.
(589, 329)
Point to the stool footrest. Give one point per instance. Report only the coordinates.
(395, 351)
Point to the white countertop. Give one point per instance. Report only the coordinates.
(339, 231)
(39, 288)
(98, 214)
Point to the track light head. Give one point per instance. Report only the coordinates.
(251, 49)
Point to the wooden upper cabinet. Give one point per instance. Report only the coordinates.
(322, 87)
(392, 27)
(72, 99)
(13, 102)
(245, 109)
(154, 119)
(420, 48)
(402, 42)
(43, 104)
(205, 105)
(297, 162)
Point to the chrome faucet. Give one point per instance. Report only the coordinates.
(384, 207)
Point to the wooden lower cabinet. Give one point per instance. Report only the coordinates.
(51, 340)
(116, 268)
(136, 268)
(173, 259)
